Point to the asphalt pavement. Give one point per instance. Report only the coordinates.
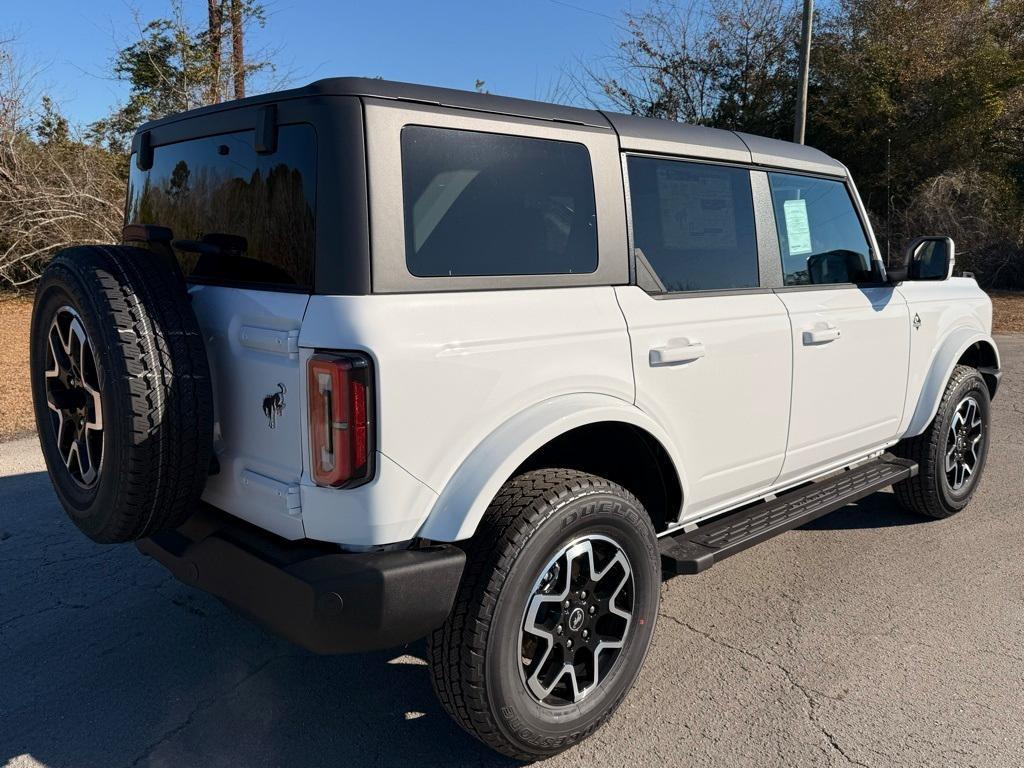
(869, 638)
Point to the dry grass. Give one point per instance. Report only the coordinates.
(16, 417)
(15, 393)
(1008, 312)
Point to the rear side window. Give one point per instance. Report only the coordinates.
(693, 224)
(489, 204)
(820, 235)
(237, 216)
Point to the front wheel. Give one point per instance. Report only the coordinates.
(554, 615)
(951, 452)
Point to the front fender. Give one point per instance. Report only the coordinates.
(945, 359)
(465, 498)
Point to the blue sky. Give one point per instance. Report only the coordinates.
(518, 48)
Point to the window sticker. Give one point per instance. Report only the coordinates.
(696, 212)
(798, 229)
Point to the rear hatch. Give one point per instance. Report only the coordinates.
(244, 234)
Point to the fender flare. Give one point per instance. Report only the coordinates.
(945, 359)
(464, 499)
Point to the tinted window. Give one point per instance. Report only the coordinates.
(487, 204)
(250, 216)
(693, 224)
(820, 235)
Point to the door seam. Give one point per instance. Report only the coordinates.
(792, 383)
(629, 340)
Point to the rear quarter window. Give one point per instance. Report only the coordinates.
(238, 217)
(490, 204)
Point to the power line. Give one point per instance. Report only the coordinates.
(591, 11)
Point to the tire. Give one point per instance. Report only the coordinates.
(934, 491)
(539, 518)
(137, 407)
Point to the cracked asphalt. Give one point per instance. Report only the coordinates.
(868, 638)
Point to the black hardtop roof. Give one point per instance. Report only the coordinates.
(635, 133)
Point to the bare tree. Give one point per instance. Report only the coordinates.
(238, 47)
(215, 15)
(55, 189)
(980, 211)
(711, 62)
(662, 68)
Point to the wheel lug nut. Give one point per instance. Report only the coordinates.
(592, 610)
(583, 595)
(586, 634)
(568, 643)
(558, 629)
(565, 604)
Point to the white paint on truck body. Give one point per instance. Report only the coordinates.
(468, 384)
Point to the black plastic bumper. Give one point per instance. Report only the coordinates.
(310, 593)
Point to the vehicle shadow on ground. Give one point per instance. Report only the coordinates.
(879, 510)
(105, 660)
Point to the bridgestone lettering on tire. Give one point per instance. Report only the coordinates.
(114, 342)
(564, 563)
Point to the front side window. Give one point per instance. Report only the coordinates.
(820, 235)
(489, 204)
(237, 216)
(693, 224)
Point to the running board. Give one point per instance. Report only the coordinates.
(698, 550)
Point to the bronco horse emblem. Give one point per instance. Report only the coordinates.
(273, 405)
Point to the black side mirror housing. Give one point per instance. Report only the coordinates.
(926, 258)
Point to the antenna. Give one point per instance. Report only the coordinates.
(888, 199)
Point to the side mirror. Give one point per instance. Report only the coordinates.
(926, 258)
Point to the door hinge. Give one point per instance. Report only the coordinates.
(269, 340)
(289, 495)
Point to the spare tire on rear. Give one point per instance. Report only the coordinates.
(121, 388)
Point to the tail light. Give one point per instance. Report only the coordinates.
(340, 411)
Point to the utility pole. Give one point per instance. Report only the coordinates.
(805, 70)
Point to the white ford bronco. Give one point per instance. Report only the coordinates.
(377, 362)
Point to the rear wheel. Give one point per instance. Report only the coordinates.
(951, 452)
(121, 389)
(554, 615)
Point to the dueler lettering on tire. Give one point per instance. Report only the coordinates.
(121, 390)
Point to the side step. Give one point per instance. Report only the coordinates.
(698, 550)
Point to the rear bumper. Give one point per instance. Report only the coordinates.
(320, 598)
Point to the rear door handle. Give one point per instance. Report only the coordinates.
(673, 354)
(821, 334)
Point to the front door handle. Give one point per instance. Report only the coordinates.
(822, 333)
(684, 351)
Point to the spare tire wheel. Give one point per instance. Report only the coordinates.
(121, 388)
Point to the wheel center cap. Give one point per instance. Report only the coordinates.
(576, 619)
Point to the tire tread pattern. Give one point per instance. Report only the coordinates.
(161, 364)
(920, 494)
(457, 649)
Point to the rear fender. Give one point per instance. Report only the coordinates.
(941, 368)
(463, 501)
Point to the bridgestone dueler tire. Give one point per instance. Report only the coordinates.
(929, 493)
(154, 386)
(474, 656)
